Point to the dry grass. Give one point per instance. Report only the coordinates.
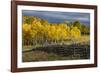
(44, 56)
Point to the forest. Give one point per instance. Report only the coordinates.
(43, 41)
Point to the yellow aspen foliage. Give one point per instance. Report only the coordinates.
(42, 30)
(28, 33)
(75, 32)
(25, 27)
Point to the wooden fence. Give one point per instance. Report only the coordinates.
(75, 50)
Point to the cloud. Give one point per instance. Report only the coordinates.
(53, 15)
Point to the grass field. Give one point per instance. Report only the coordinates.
(44, 55)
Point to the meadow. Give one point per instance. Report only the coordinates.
(44, 41)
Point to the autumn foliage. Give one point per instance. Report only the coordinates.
(41, 31)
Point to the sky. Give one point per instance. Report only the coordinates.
(59, 17)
